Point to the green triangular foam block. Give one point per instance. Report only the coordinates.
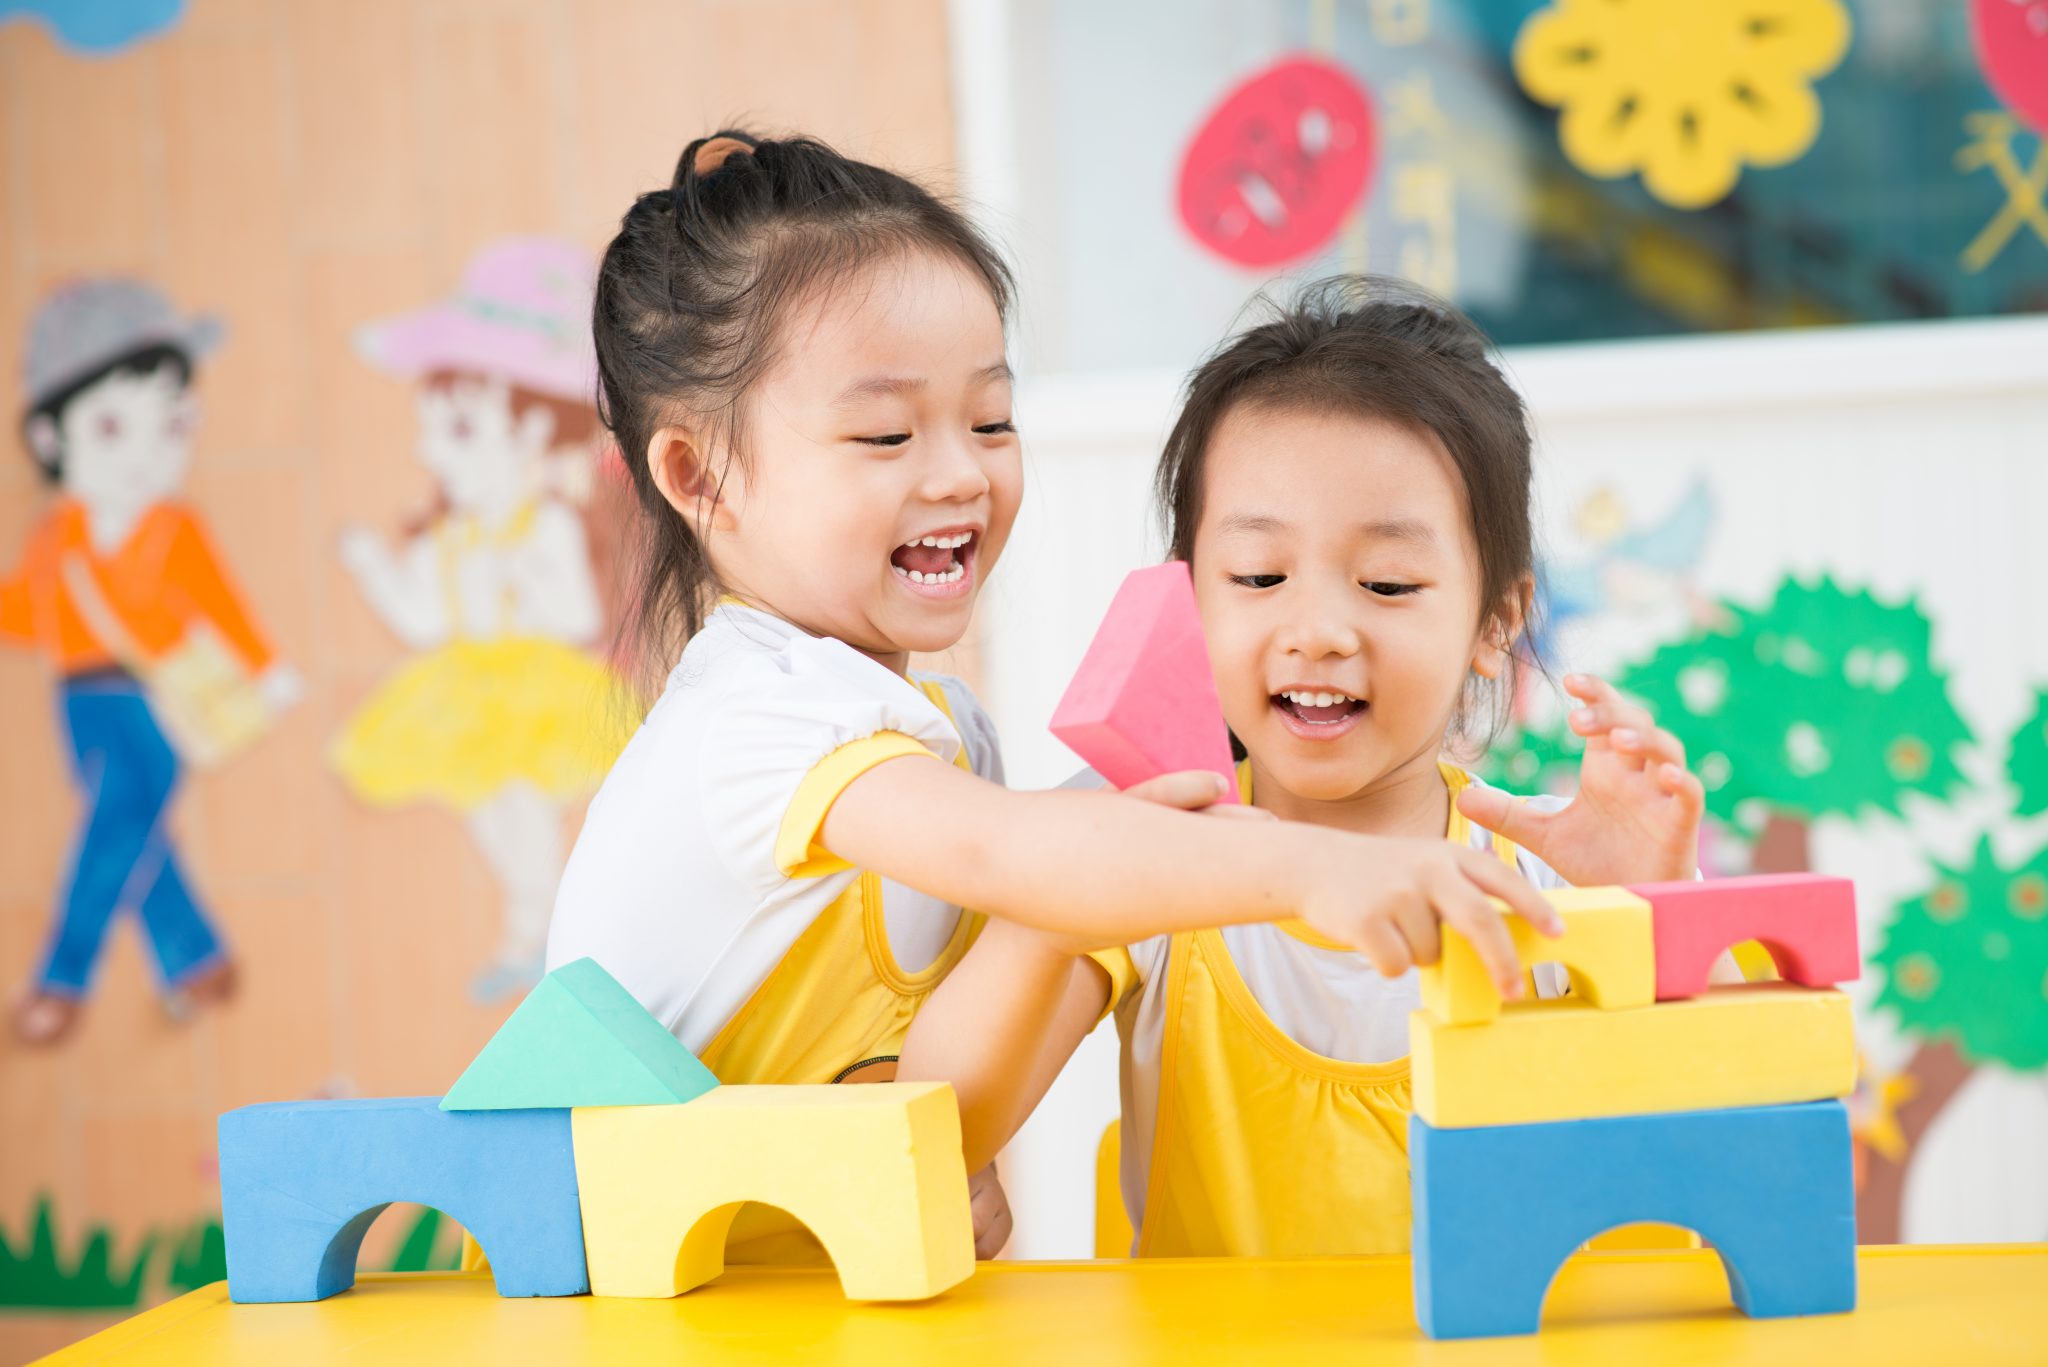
(579, 1039)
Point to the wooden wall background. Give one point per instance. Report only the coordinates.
(300, 167)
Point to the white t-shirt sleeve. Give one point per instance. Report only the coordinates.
(774, 735)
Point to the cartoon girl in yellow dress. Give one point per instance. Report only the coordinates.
(503, 715)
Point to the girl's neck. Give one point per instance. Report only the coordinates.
(896, 661)
(1411, 799)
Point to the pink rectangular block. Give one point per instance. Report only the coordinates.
(1806, 920)
(1143, 702)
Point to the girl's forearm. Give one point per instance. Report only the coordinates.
(1092, 868)
(999, 1029)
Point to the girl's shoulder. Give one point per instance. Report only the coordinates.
(748, 677)
(976, 727)
(743, 647)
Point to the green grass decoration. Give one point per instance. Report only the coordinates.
(39, 1276)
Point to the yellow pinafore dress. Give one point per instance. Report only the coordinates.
(1261, 1147)
(835, 1009)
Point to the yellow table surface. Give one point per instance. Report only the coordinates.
(1920, 1305)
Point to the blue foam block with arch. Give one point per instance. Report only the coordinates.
(1499, 1208)
(301, 1182)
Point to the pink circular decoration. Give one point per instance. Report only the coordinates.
(2012, 45)
(1279, 163)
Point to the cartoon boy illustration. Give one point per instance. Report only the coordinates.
(158, 659)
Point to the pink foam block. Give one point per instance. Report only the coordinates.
(1143, 702)
(1806, 920)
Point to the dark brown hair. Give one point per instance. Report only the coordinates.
(691, 301)
(1376, 348)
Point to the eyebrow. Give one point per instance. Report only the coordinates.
(882, 386)
(1408, 529)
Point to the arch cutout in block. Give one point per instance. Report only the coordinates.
(740, 1233)
(1642, 1236)
(394, 1236)
(302, 1183)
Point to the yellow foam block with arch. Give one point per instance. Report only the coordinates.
(874, 1170)
(1607, 948)
(1758, 1044)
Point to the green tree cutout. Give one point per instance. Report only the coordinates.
(1826, 701)
(1967, 960)
(1966, 973)
(1534, 759)
(2028, 762)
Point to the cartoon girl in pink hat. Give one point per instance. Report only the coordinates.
(503, 715)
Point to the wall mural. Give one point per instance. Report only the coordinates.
(502, 715)
(1826, 701)
(159, 664)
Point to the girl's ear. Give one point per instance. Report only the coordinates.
(1503, 627)
(684, 475)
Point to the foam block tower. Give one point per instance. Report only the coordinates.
(583, 1139)
(1143, 702)
(1643, 1095)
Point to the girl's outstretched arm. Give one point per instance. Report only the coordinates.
(1000, 1028)
(1098, 869)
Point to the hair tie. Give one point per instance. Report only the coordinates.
(713, 154)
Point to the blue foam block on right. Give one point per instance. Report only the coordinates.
(1499, 1208)
(301, 1182)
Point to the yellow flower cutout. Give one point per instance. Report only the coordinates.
(1686, 91)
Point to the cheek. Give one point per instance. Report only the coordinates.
(1236, 655)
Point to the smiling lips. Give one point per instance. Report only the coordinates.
(937, 560)
(1317, 714)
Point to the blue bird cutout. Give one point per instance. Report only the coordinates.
(98, 28)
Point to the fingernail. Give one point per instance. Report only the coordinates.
(1624, 736)
(1511, 990)
(1583, 717)
(1222, 783)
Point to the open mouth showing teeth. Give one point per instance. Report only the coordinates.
(1317, 708)
(933, 559)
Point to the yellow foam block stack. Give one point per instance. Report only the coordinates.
(873, 1171)
(1607, 1048)
(1761, 1044)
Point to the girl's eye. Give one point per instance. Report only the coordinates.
(1258, 581)
(996, 429)
(1387, 590)
(893, 439)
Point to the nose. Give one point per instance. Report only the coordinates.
(953, 472)
(1319, 625)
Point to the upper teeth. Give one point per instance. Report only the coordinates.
(944, 543)
(1303, 698)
